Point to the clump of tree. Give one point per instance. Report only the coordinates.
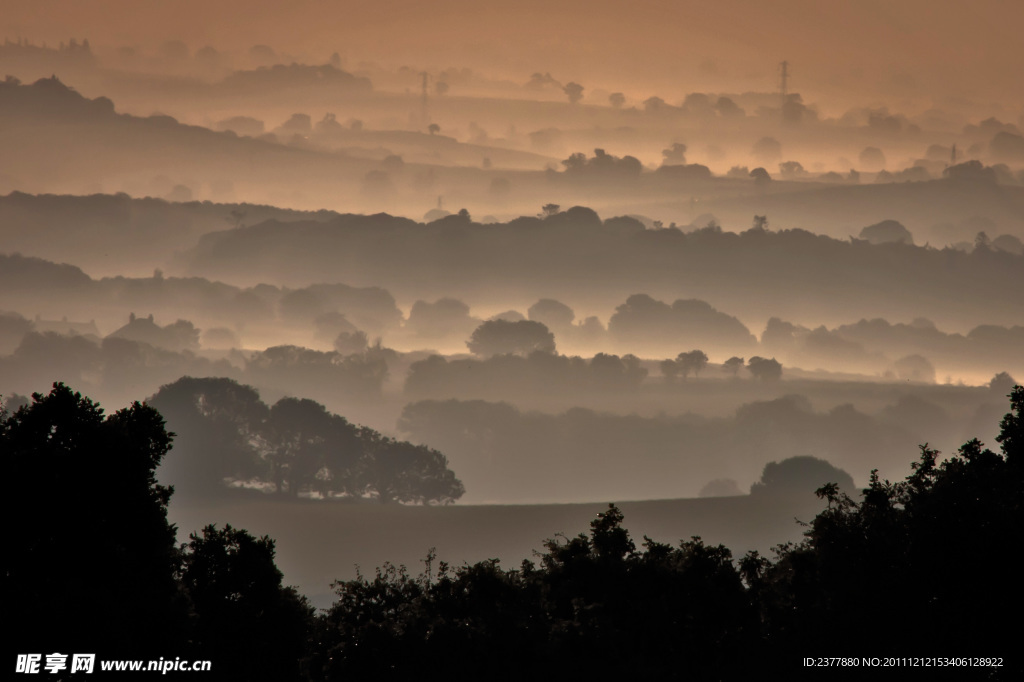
(765, 369)
(601, 164)
(733, 365)
(574, 91)
(796, 475)
(229, 437)
(502, 337)
(643, 322)
(684, 363)
(674, 155)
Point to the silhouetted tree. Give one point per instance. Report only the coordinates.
(791, 169)
(498, 337)
(552, 313)
(733, 365)
(349, 343)
(669, 369)
(887, 232)
(691, 361)
(764, 369)
(760, 175)
(84, 488)
(611, 371)
(246, 620)
(1002, 383)
(727, 108)
(574, 91)
(397, 471)
(654, 104)
(297, 445)
(800, 475)
(676, 154)
(602, 164)
(595, 606)
(311, 449)
(218, 420)
(897, 543)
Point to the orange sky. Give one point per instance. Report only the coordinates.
(866, 49)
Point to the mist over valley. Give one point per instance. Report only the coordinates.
(389, 287)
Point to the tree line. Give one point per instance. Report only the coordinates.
(912, 568)
(915, 568)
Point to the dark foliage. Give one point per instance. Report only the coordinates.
(501, 337)
(916, 568)
(90, 555)
(594, 607)
(935, 546)
(244, 618)
(91, 563)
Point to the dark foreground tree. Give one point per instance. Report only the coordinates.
(246, 619)
(89, 557)
(935, 546)
(595, 608)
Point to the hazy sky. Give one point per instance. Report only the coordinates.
(864, 48)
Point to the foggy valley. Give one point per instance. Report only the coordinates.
(382, 286)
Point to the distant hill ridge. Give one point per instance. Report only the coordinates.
(575, 254)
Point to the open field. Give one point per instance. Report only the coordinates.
(318, 543)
